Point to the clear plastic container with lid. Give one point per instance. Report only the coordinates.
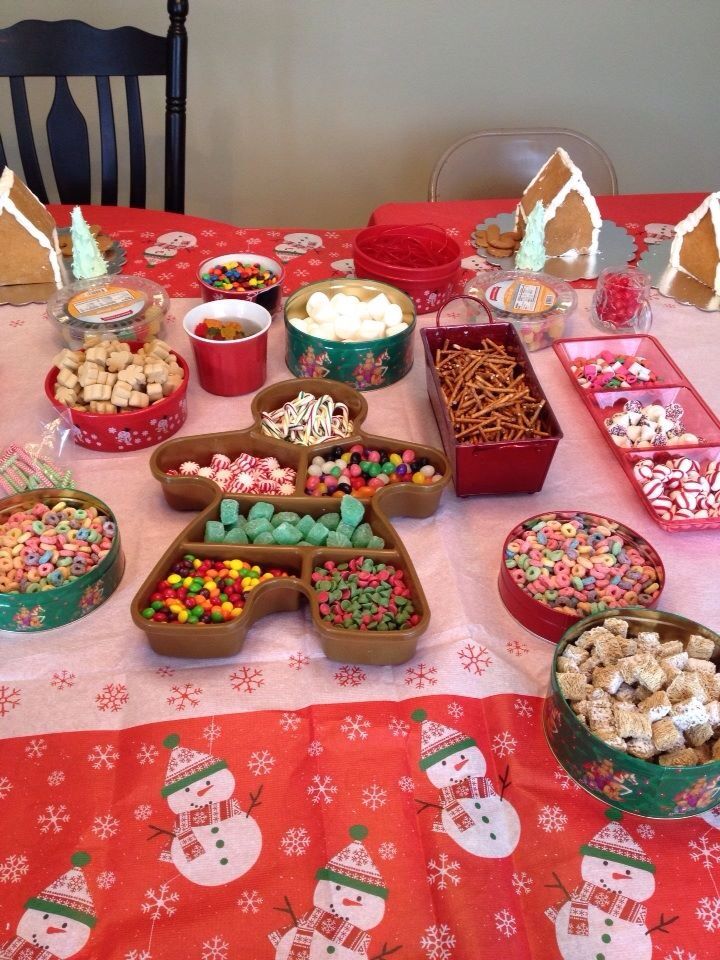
(108, 308)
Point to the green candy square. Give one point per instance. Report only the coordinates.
(228, 512)
(330, 520)
(351, 511)
(336, 539)
(317, 535)
(345, 529)
(306, 524)
(236, 535)
(261, 510)
(257, 525)
(285, 516)
(375, 543)
(214, 532)
(287, 534)
(265, 536)
(362, 535)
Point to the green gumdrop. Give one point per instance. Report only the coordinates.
(317, 535)
(287, 534)
(256, 526)
(214, 532)
(330, 520)
(265, 537)
(80, 859)
(337, 539)
(306, 524)
(285, 516)
(228, 512)
(376, 543)
(345, 529)
(351, 511)
(361, 536)
(236, 535)
(172, 740)
(261, 510)
(419, 715)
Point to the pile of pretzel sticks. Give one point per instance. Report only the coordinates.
(487, 394)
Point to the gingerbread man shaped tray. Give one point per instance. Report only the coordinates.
(285, 593)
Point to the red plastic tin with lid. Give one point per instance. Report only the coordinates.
(542, 620)
(422, 260)
(500, 467)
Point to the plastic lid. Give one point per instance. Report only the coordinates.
(522, 295)
(108, 306)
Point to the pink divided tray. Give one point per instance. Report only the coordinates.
(672, 387)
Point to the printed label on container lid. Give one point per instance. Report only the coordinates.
(526, 296)
(107, 304)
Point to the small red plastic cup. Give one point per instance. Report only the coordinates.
(229, 368)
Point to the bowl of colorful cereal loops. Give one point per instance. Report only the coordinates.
(562, 566)
(60, 558)
(242, 276)
(633, 711)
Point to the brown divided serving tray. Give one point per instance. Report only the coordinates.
(284, 594)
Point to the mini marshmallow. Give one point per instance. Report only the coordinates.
(316, 302)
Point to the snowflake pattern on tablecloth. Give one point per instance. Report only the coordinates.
(165, 671)
(106, 879)
(504, 744)
(246, 679)
(523, 708)
(455, 710)
(36, 748)
(708, 913)
(516, 648)
(398, 727)
(406, 784)
(387, 850)
(521, 882)
(704, 850)
(53, 819)
(565, 780)
(184, 695)
(13, 868)
(261, 762)
(438, 942)
(250, 901)
(55, 778)
(421, 676)
(138, 955)
(106, 826)
(350, 676)
(160, 903)
(315, 748)
(551, 819)
(505, 923)
(295, 842)
(147, 754)
(10, 698)
(475, 659)
(289, 722)
(212, 732)
(679, 953)
(215, 949)
(103, 758)
(112, 697)
(443, 871)
(297, 661)
(355, 728)
(646, 831)
(374, 796)
(143, 811)
(62, 680)
(322, 789)
(5, 787)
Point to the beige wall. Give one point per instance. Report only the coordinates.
(312, 112)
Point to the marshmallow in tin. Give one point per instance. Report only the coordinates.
(348, 319)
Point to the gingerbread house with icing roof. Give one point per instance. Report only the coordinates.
(29, 251)
(695, 249)
(571, 214)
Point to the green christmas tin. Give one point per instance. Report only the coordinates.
(626, 782)
(37, 609)
(363, 364)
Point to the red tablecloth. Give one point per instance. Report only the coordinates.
(86, 710)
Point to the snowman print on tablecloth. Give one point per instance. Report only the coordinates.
(349, 900)
(605, 917)
(344, 268)
(167, 245)
(471, 812)
(295, 245)
(214, 841)
(657, 232)
(57, 922)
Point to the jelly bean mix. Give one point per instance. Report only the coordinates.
(362, 471)
(264, 476)
(212, 329)
(49, 546)
(651, 425)
(364, 595)
(234, 275)
(611, 370)
(263, 525)
(680, 487)
(205, 590)
(579, 565)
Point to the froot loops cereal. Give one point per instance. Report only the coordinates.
(308, 420)
(580, 565)
(205, 591)
(49, 546)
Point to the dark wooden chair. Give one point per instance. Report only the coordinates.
(71, 48)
